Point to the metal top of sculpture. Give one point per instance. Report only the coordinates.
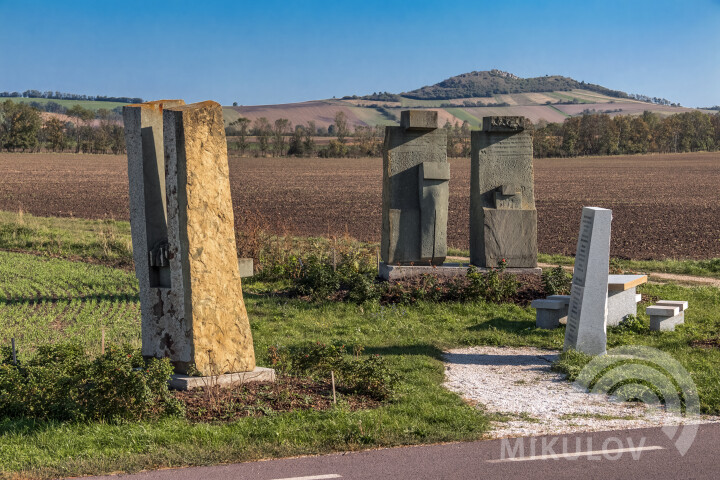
(503, 124)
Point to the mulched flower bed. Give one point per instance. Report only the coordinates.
(226, 404)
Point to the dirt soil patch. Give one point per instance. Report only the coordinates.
(664, 206)
(226, 404)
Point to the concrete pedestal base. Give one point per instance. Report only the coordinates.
(620, 305)
(446, 270)
(660, 323)
(187, 382)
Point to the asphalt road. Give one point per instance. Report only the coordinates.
(621, 454)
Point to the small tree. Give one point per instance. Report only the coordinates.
(296, 142)
(242, 124)
(280, 128)
(54, 132)
(308, 141)
(341, 127)
(21, 125)
(262, 130)
(82, 117)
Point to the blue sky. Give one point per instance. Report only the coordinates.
(264, 52)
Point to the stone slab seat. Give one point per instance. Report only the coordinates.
(564, 298)
(673, 303)
(665, 315)
(548, 312)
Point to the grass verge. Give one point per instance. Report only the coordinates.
(43, 300)
(700, 268)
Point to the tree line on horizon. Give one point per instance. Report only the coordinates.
(601, 134)
(68, 96)
(22, 128)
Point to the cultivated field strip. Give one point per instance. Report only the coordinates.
(45, 300)
(652, 216)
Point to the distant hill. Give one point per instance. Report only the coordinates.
(497, 82)
(468, 98)
(463, 98)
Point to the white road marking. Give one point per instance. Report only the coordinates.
(577, 454)
(312, 477)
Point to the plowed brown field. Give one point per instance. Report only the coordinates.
(663, 205)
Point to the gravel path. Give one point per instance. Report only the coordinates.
(517, 384)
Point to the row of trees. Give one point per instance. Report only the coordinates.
(69, 96)
(600, 134)
(272, 138)
(22, 128)
(280, 138)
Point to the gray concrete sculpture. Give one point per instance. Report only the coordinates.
(503, 219)
(415, 191)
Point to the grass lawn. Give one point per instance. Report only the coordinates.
(700, 268)
(45, 300)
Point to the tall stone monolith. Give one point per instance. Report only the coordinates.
(148, 222)
(415, 191)
(586, 329)
(193, 310)
(503, 219)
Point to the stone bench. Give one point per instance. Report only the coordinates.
(623, 297)
(622, 301)
(549, 311)
(666, 314)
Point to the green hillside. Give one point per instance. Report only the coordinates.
(495, 82)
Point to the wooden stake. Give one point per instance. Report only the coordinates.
(332, 376)
(377, 259)
(334, 261)
(13, 351)
(102, 342)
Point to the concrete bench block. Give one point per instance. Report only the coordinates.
(663, 310)
(620, 304)
(665, 315)
(564, 298)
(549, 312)
(683, 305)
(660, 323)
(548, 303)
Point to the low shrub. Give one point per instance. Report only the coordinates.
(61, 382)
(631, 324)
(557, 281)
(492, 286)
(357, 374)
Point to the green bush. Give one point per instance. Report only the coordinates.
(494, 286)
(60, 382)
(353, 275)
(631, 324)
(557, 281)
(317, 278)
(369, 376)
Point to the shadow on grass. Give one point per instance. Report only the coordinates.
(506, 325)
(25, 426)
(134, 297)
(424, 349)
